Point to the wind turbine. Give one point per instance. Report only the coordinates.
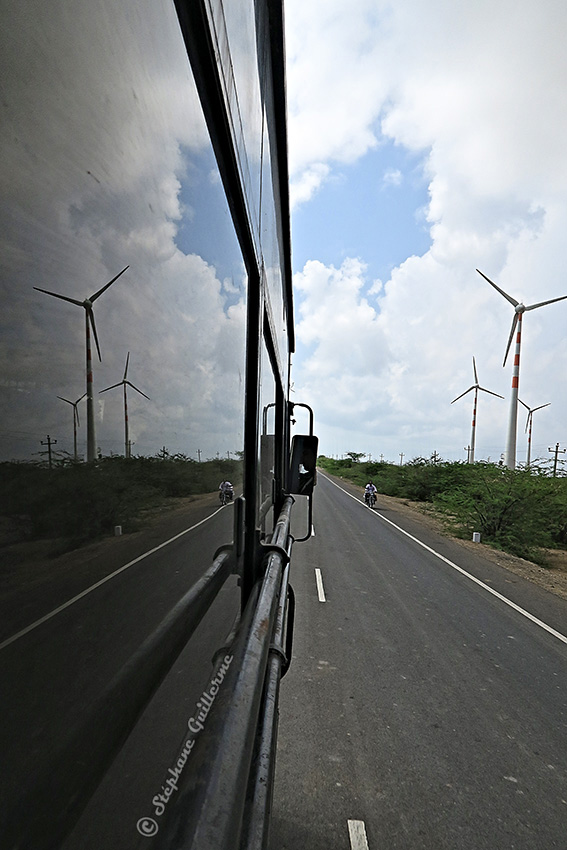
(76, 422)
(87, 304)
(476, 387)
(125, 382)
(531, 411)
(519, 310)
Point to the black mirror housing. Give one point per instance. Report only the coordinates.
(302, 473)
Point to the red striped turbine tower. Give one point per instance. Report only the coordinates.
(519, 310)
(531, 411)
(87, 304)
(476, 387)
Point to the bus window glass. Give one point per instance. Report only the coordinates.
(267, 447)
(233, 26)
(107, 164)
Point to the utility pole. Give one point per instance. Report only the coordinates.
(51, 442)
(401, 458)
(199, 454)
(556, 451)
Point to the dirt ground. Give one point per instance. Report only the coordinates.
(552, 578)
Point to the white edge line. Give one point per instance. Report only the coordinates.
(480, 583)
(357, 835)
(76, 598)
(320, 589)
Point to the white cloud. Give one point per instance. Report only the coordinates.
(478, 91)
(392, 177)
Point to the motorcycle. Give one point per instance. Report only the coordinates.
(226, 496)
(370, 499)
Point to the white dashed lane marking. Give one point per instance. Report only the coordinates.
(320, 589)
(357, 835)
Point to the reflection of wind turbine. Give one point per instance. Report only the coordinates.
(531, 411)
(89, 321)
(476, 387)
(519, 310)
(76, 422)
(123, 383)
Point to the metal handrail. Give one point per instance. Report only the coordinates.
(211, 806)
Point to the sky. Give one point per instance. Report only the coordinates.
(426, 140)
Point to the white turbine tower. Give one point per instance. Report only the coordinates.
(476, 387)
(76, 422)
(123, 383)
(531, 411)
(519, 310)
(87, 304)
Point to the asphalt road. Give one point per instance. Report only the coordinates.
(51, 674)
(420, 707)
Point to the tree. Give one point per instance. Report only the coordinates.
(355, 456)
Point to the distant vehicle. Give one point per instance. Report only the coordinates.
(370, 499)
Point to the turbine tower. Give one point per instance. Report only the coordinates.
(531, 411)
(124, 382)
(76, 422)
(476, 387)
(87, 304)
(519, 310)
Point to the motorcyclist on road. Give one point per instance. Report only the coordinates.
(227, 489)
(369, 490)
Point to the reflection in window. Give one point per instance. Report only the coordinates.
(267, 441)
(107, 163)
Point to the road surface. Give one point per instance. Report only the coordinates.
(421, 710)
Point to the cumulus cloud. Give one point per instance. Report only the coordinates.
(392, 177)
(475, 91)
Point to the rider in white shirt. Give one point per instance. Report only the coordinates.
(226, 488)
(369, 490)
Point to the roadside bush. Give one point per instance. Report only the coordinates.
(81, 501)
(519, 511)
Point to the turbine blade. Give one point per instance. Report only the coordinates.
(106, 285)
(62, 297)
(510, 338)
(524, 403)
(90, 315)
(474, 370)
(126, 369)
(490, 391)
(81, 398)
(119, 384)
(70, 402)
(543, 303)
(540, 407)
(76, 413)
(137, 390)
(527, 422)
(462, 394)
(501, 291)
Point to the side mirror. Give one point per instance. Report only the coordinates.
(302, 473)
